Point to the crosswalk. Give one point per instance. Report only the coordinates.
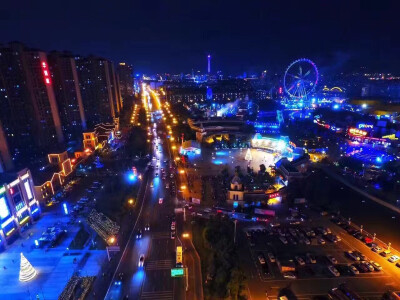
(160, 235)
(153, 265)
(162, 295)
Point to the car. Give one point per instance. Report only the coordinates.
(354, 270)
(334, 271)
(398, 265)
(311, 258)
(119, 280)
(271, 257)
(173, 225)
(385, 253)
(156, 174)
(151, 184)
(172, 235)
(376, 249)
(147, 227)
(393, 258)
(352, 255)
(300, 260)
(167, 186)
(369, 266)
(321, 241)
(360, 255)
(283, 240)
(289, 275)
(261, 259)
(141, 261)
(160, 200)
(138, 234)
(363, 268)
(332, 259)
(376, 266)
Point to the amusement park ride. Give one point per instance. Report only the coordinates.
(299, 81)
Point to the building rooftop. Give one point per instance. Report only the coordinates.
(40, 175)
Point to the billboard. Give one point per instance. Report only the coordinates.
(4, 210)
(179, 255)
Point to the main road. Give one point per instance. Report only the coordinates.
(153, 280)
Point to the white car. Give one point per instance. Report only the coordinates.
(141, 261)
(321, 241)
(393, 258)
(334, 271)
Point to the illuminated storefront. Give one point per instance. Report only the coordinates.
(279, 145)
(18, 205)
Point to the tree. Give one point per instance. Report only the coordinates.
(26, 271)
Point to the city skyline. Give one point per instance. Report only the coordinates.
(177, 38)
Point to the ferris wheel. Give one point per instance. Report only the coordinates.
(301, 78)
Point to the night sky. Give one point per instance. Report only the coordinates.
(175, 36)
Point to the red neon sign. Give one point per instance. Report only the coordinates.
(274, 195)
(357, 132)
(46, 74)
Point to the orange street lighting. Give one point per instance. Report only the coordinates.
(111, 240)
(181, 171)
(183, 187)
(177, 158)
(173, 147)
(130, 201)
(185, 235)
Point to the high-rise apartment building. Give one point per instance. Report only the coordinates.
(28, 108)
(125, 78)
(67, 92)
(99, 89)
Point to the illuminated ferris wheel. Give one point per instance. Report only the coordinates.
(301, 78)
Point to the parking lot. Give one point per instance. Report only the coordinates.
(313, 257)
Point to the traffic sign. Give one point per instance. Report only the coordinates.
(177, 272)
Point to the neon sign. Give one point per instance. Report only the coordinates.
(357, 132)
(46, 74)
(365, 126)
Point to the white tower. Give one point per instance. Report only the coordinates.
(209, 63)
